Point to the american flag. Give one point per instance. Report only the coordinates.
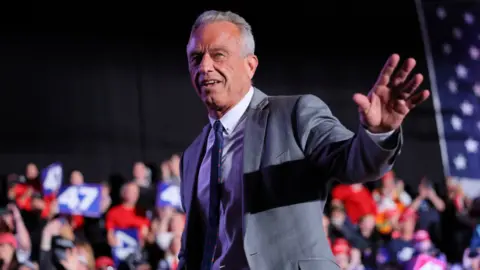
(451, 34)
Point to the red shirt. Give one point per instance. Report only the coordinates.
(357, 203)
(121, 217)
(26, 204)
(77, 221)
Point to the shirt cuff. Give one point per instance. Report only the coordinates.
(380, 138)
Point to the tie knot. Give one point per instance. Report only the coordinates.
(217, 126)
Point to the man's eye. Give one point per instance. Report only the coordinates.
(196, 59)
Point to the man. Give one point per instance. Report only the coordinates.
(255, 181)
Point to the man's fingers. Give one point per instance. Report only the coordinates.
(402, 74)
(362, 102)
(417, 98)
(413, 84)
(388, 69)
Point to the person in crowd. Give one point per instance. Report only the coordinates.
(457, 221)
(428, 206)
(391, 200)
(140, 175)
(104, 263)
(175, 169)
(356, 199)
(57, 249)
(346, 257)
(392, 189)
(424, 245)
(402, 245)
(368, 241)
(127, 215)
(29, 194)
(8, 246)
(341, 225)
(76, 178)
(13, 221)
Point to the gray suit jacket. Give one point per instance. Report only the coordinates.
(293, 148)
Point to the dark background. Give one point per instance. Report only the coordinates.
(99, 87)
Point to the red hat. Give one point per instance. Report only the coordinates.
(421, 235)
(103, 261)
(340, 246)
(8, 238)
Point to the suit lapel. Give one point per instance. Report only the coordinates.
(193, 166)
(255, 128)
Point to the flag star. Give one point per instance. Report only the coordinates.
(441, 13)
(452, 86)
(461, 71)
(476, 89)
(460, 162)
(447, 48)
(457, 33)
(471, 145)
(469, 18)
(457, 123)
(474, 52)
(466, 107)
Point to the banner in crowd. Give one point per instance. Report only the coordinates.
(127, 244)
(51, 178)
(168, 195)
(81, 200)
(451, 34)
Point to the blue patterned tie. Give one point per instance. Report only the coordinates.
(214, 208)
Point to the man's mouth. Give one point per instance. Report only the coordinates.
(207, 83)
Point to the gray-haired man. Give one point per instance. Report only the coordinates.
(255, 181)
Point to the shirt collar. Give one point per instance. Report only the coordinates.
(232, 117)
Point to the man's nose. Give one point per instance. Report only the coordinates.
(207, 64)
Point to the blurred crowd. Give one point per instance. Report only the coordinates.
(380, 225)
(34, 235)
(388, 225)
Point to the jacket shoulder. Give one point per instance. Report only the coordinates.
(291, 103)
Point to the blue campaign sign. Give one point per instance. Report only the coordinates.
(168, 195)
(80, 200)
(127, 243)
(51, 178)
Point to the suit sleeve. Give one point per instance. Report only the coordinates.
(343, 155)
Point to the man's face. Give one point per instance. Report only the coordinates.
(220, 71)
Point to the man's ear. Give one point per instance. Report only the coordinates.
(251, 62)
